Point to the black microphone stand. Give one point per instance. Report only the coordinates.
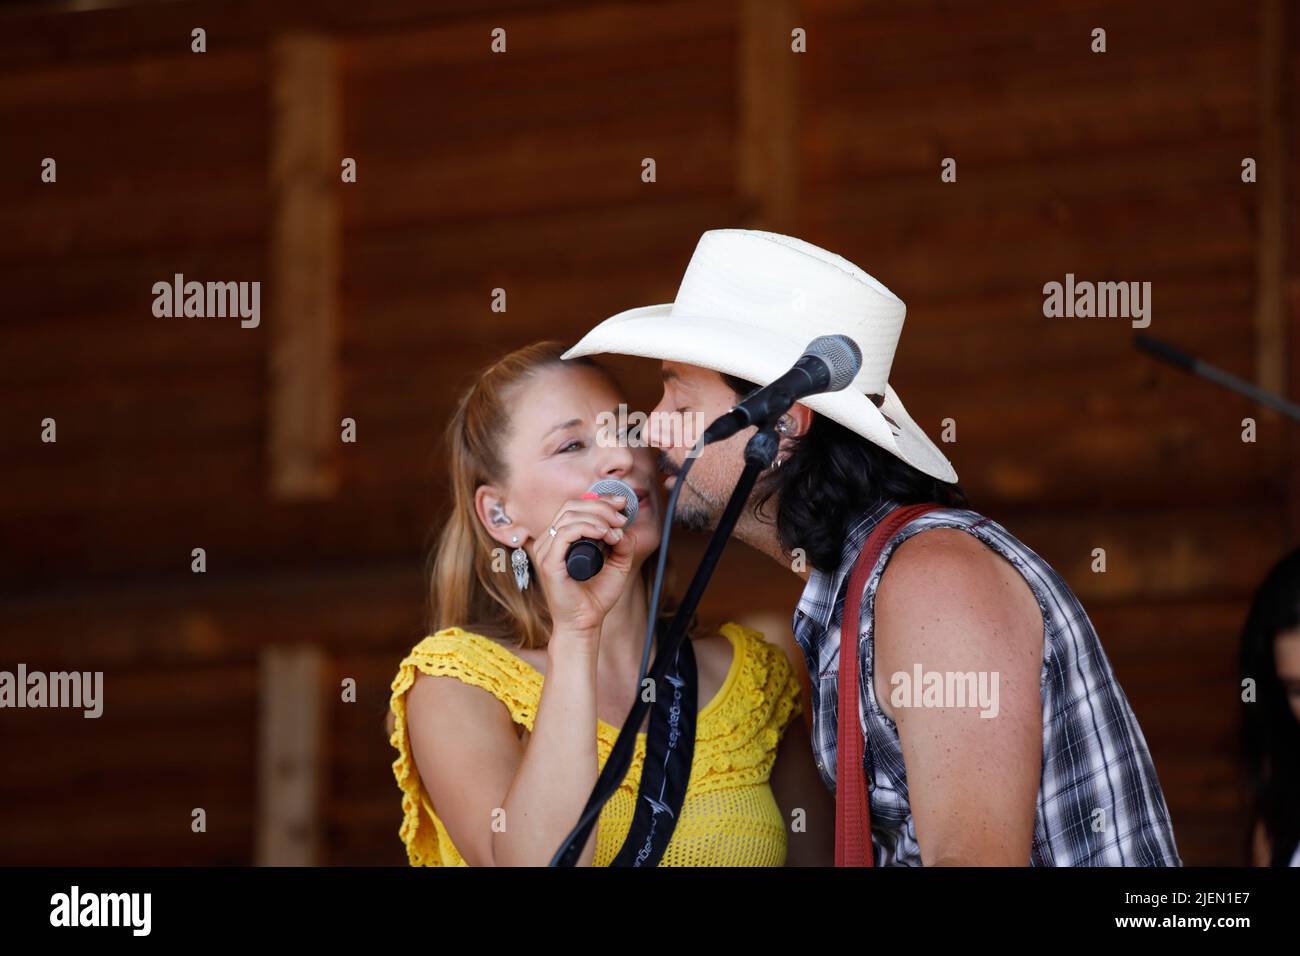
(1189, 363)
(759, 452)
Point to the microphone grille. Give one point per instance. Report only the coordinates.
(841, 355)
(616, 486)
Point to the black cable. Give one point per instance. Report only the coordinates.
(593, 808)
(759, 453)
(653, 617)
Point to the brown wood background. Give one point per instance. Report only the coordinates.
(522, 171)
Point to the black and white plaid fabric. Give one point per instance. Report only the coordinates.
(1099, 802)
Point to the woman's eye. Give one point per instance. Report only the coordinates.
(573, 444)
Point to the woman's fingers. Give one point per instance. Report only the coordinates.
(575, 528)
(571, 529)
(595, 510)
(596, 507)
(598, 520)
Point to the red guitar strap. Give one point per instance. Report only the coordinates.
(852, 808)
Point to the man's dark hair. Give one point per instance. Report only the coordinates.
(831, 476)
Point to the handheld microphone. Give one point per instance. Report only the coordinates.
(828, 364)
(586, 557)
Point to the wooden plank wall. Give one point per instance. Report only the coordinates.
(1117, 166)
(477, 171)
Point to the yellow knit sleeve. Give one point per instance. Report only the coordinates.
(475, 660)
(739, 746)
(782, 697)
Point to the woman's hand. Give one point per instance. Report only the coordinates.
(582, 605)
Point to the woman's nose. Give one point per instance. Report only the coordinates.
(617, 461)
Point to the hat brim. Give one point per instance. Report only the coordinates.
(656, 332)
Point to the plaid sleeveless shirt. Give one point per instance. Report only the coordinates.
(1094, 755)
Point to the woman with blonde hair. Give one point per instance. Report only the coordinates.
(504, 715)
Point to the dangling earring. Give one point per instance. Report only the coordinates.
(519, 564)
(783, 425)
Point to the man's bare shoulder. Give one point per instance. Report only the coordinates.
(947, 559)
(949, 601)
(950, 575)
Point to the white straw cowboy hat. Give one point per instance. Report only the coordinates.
(749, 304)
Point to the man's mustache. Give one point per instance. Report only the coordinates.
(665, 464)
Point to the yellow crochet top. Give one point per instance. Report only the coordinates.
(729, 816)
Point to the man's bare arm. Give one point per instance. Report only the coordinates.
(949, 603)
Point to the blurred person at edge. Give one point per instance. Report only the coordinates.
(1270, 657)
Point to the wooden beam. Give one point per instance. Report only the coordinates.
(290, 756)
(304, 251)
(41, 33)
(1277, 322)
(1284, 22)
(1270, 311)
(767, 167)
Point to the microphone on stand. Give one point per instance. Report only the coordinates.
(1189, 363)
(586, 557)
(828, 364)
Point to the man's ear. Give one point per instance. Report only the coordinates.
(490, 508)
(801, 419)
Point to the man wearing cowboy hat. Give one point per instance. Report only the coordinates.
(1057, 772)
